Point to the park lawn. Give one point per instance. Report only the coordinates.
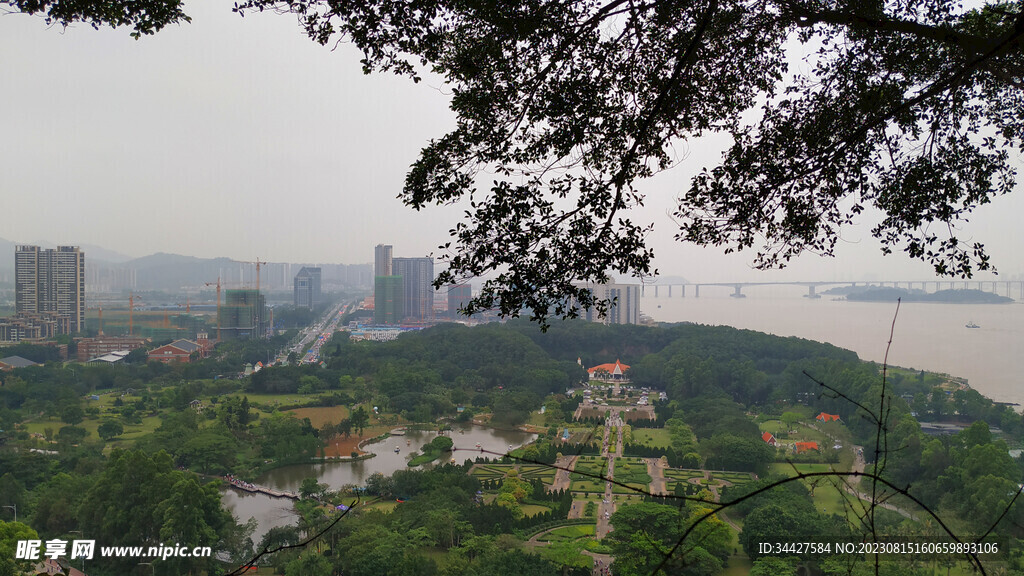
(803, 433)
(500, 469)
(735, 478)
(633, 477)
(634, 488)
(134, 431)
(806, 434)
(290, 399)
(568, 533)
(537, 419)
(677, 474)
(774, 426)
(106, 401)
(484, 475)
(321, 414)
(655, 437)
(594, 465)
(546, 477)
(793, 469)
(386, 506)
(829, 500)
(739, 565)
(587, 486)
(534, 509)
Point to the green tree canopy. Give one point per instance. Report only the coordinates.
(910, 108)
(10, 534)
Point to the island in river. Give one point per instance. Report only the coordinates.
(886, 294)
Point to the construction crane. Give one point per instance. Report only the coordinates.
(188, 304)
(131, 309)
(217, 284)
(258, 265)
(99, 333)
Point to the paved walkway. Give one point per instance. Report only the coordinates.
(563, 478)
(658, 483)
(607, 506)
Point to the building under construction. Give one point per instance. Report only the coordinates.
(243, 315)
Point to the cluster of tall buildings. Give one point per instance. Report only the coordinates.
(403, 288)
(50, 296)
(404, 293)
(49, 287)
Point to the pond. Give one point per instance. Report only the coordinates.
(270, 512)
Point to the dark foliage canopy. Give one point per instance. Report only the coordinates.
(913, 108)
(144, 16)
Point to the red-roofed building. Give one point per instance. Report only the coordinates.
(823, 417)
(177, 351)
(769, 439)
(614, 371)
(805, 446)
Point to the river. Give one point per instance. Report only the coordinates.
(270, 512)
(927, 336)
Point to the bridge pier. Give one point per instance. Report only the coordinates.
(696, 291)
(682, 288)
(810, 292)
(669, 290)
(736, 292)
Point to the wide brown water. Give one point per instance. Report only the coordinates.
(931, 337)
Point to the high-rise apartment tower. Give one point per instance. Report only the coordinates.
(623, 303)
(51, 282)
(418, 278)
(382, 260)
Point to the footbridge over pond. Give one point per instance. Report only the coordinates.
(1009, 288)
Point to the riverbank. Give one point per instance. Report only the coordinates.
(340, 448)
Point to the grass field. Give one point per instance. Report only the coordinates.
(386, 506)
(676, 474)
(534, 509)
(544, 473)
(587, 486)
(803, 433)
(794, 469)
(733, 477)
(827, 497)
(636, 488)
(595, 465)
(320, 415)
(490, 471)
(633, 475)
(739, 565)
(655, 437)
(275, 399)
(131, 431)
(568, 533)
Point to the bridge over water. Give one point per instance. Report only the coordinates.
(1000, 287)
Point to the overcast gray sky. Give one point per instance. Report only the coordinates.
(242, 138)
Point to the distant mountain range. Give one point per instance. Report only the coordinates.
(107, 270)
(92, 252)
